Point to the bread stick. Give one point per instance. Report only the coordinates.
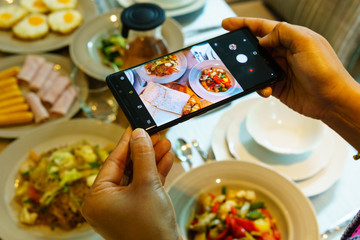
(9, 88)
(10, 94)
(7, 81)
(11, 101)
(16, 118)
(22, 107)
(10, 72)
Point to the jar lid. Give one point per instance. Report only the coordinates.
(141, 17)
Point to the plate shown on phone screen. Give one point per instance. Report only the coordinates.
(194, 82)
(182, 66)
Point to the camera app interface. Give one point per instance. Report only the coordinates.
(194, 78)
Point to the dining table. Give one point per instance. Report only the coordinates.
(331, 205)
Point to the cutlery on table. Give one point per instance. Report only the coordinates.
(339, 225)
(183, 151)
(198, 148)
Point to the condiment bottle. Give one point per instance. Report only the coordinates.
(141, 25)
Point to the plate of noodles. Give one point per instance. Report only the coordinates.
(45, 176)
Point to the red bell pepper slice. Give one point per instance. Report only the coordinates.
(234, 211)
(223, 234)
(247, 224)
(277, 234)
(215, 208)
(237, 230)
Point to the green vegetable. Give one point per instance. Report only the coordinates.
(70, 176)
(223, 190)
(253, 215)
(27, 173)
(257, 205)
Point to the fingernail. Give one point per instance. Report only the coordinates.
(138, 133)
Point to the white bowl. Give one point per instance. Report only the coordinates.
(280, 129)
(294, 214)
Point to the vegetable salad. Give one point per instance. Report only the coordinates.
(163, 66)
(113, 50)
(232, 215)
(215, 80)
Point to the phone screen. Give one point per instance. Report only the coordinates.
(170, 89)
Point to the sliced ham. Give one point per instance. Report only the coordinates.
(48, 82)
(41, 75)
(64, 102)
(37, 107)
(31, 65)
(59, 85)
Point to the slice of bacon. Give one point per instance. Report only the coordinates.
(48, 83)
(37, 107)
(41, 75)
(59, 85)
(64, 102)
(31, 65)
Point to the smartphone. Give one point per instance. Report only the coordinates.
(173, 88)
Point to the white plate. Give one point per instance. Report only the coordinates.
(311, 186)
(84, 46)
(67, 69)
(51, 41)
(173, 12)
(294, 214)
(43, 139)
(168, 78)
(196, 86)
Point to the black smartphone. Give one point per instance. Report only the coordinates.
(176, 87)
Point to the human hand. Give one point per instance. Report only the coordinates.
(143, 209)
(315, 79)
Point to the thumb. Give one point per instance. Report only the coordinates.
(143, 157)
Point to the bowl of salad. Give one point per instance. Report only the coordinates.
(212, 81)
(234, 199)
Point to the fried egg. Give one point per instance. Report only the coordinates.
(55, 5)
(32, 27)
(64, 21)
(34, 6)
(10, 15)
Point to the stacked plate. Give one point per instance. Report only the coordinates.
(173, 8)
(313, 171)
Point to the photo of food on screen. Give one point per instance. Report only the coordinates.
(183, 82)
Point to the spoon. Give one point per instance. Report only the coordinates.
(183, 151)
(201, 152)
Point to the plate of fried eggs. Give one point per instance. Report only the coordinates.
(32, 26)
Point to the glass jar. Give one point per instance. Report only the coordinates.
(141, 26)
